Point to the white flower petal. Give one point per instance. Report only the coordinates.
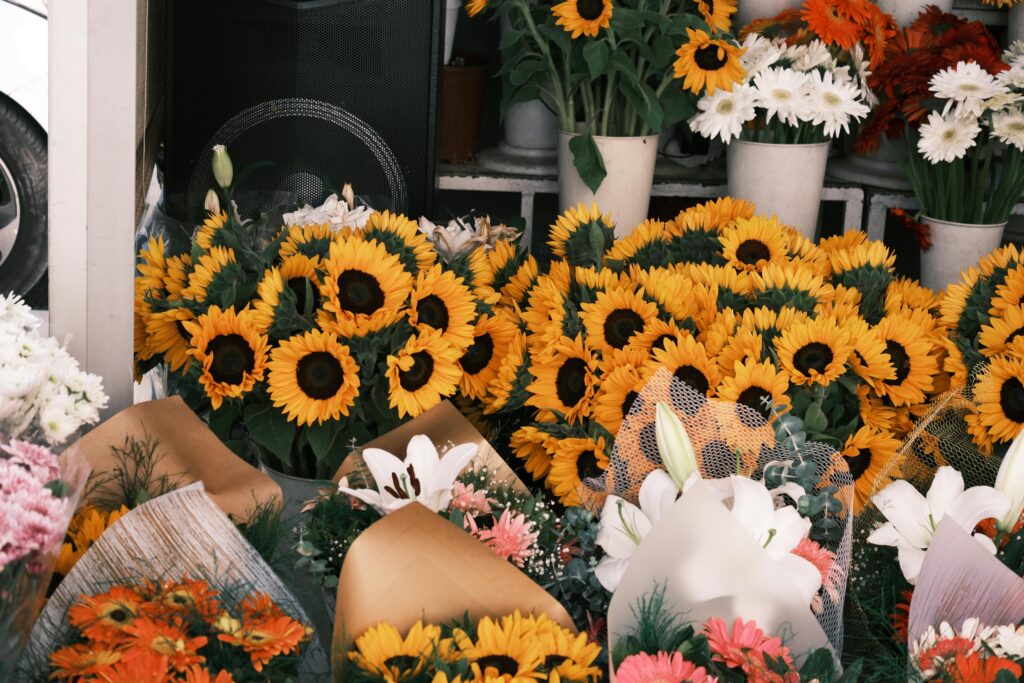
(658, 493)
(609, 572)
(752, 507)
(614, 537)
(977, 503)
(946, 486)
(911, 560)
(907, 510)
(804, 575)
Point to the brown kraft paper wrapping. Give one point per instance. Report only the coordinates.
(414, 565)
(187, 451)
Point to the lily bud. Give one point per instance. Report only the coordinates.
(348, 195)
(1010, 481)
(212, 202)
(674, 445)
(223, 171)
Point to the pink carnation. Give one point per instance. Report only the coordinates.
(745, 648)
(32, 518)
(511, 538)
(661, 668)
(39, 460)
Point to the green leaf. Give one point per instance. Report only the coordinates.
(587, 159)
(524, 70)
(624, 20)
(814, 419)
(223, 420)
(271, 429)
(596, 242)
(852, 672)
(1005, 676)
(595, 53)
(512, 96)
(664, 52)
(677, 105)
(644, 101)
(326, 441)
(556, 34)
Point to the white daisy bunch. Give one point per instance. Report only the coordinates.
(792, 94)
(44, 395)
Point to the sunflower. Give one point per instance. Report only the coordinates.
(422, 372)
(265, 639)
(1003, 258)
(910, 351)
(753, 384)
(86, 527)
(791, 284)
(717, 13)
(905, 294)
(535, 448)
(615, 318)
(313, 378)
(619, 390)
(280, 313)
(1009, 294)
(870, 454)
(522, 283)
(501, 651)
(153, 269)
(656, 333)
(744, 345)
(870, 360)
(564, 379)
(573, 234)
(688, 362)
(753, 242)
(719, 213)
(568, 656)
(364, 287)
(440, 301)
(732, 285)
(687, 302)
(312, 241)
(828, 19)
(176, 278)
(574, 461)
(214, 267)
(401, 237)
(383, 651)
(706, 63)
(647, 246)
(845, 303)
(492, 337)
(583, 17)
(103, 618)
(475, 7)
(1000, 396)
(1001, 331)
(815, 352)
(955, 298)
(231, 352)
(83, 662)
(211, 233)
(167, 335)
(545, 316)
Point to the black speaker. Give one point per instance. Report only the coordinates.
(310, 94)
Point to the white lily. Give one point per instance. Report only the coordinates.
(1010, 481)
(913, 518)
(423, 476)
(674, 446)
(624, 525)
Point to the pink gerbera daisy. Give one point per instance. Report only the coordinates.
(824, 560)
(746, 646)
(511, 538)
(469, 500)
(660, 668)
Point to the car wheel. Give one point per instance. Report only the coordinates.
(22, 200)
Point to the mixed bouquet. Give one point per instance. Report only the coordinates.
(462, 236)
(515, 647)
(310, 342)
(44, 396)
(178, 630)
(975, 652)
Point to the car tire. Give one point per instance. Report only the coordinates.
(23, 162)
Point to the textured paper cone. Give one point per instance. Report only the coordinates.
(446, 427)
(178, 534)
(960, 580)
(413, 565)
(711, 567)
(188, 451)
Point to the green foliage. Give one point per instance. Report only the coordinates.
(133, 479)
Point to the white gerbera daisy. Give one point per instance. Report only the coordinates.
(810, 56)
(1012, 77)
(1014, 54)
(965, 87)
(834, 104)
(1008, 126)
(784, 93)
(724, 113)
(758, 53)
(945, 138)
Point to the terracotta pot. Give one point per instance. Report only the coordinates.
(462, 102)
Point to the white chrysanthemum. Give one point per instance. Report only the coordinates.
(1010, 639)
(759, 53)
(834, 104)
(965, 87)
(723, 114)
(945, 138)
(813, 55)
(1008, 126)
(783, 93)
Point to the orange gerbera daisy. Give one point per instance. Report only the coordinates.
(78, 661)
(980, 666)
(828, 19)
(166, 640)
(145, 667)
(201, 675)
(103, 618)
(260, 606)
(188, 596)
(264, 639)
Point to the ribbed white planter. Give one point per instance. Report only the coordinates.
(955, 247)
(1015, 24)
(626, 190)
(748, 10)
(531, 125)
(781, 180)
(905, 11)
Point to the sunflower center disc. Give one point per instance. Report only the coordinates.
(694, 377)
(899, 359)
(586, 465)
(814, 356)
(1016, 333)
(659, 343)
(859, 463)
(298, 287)
(571, 384)
(649, 437)
(419, 374)
(479, 354)
(319, 375)
(401, 662)
(232, 358)
(1011, 399)
(590, 9)
(753, 397)
(360, 292)
(503, 664)
(627, 403)
(554, 661)
(431, 311)
(620, 325)
(710, 57)
(752, 251)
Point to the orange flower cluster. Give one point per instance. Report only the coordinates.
(935, 41)
(166, 631)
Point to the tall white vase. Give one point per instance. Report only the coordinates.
(781, 180)
(955, 247)
(905, 11)
(1015, 24)
(451, 20)
(626, 190)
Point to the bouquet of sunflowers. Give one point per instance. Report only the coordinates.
(309, 342)
(737, 306)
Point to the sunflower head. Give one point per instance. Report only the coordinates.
(508, 390)
(752, 243)
(313, 378)
(616, 317)
(421, 373)
(648, 246)
(289, 297)
(212, 233)
(582, 236)
(440, 301)
(231, 351)
(1000, 397)
(707, 64)
(717, 14)
(312, 241)
(565, 379)
(793, 285)
(364, 287)
(583, 17)
(574, 461)
(814, 352)
(482, 359)
(401, 237)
